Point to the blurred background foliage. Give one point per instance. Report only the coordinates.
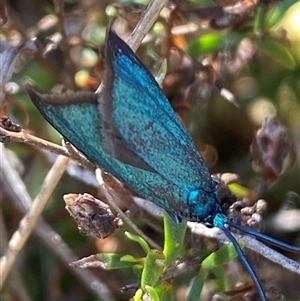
(199, 52)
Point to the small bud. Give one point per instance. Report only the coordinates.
(92, 216)
(250, 216)
(9, 125)
(273, 153)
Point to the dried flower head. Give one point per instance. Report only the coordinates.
(92, 215)
(273, 152)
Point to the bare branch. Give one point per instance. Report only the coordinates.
(23, 137)
(251, 243)
(149, 17)
(28, 222)
(16, 189)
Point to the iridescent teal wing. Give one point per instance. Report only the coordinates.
(140, 116)
(75, 115)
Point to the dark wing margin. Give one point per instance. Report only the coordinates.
(113, 143)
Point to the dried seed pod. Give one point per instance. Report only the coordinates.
(273, 152)
(92, 215)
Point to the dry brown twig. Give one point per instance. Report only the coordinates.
(17, 192)
(28, 222)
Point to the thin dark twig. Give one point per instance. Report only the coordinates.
(78, 156)
(23, 137)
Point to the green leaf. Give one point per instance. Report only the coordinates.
(239, 190)
(278, 12)
(139, 240)
(260, 19)
(138, 270)
(162, 290)
(130, 258)
(168, 293)
(203, 2)
(115, 261)
(152, 293)
(220, 257)
(153, 268)
(278, 51)
(174, 238)
(221, 278)
(138, 295)
(213, 42)
(197, 286)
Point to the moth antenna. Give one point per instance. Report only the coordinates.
(261, 236)
(246, 264)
